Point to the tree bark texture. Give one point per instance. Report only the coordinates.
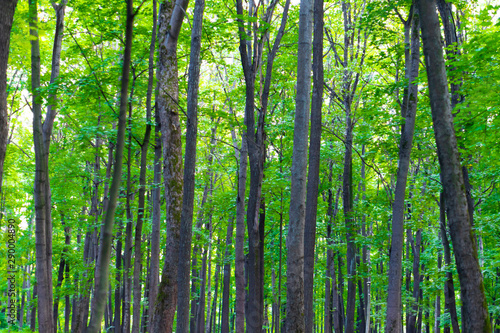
(295, 320)
(170, 22)
(313, 171)
(408, 111)
(6, 19)
(475, 308)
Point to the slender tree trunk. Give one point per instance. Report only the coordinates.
(156, 218)
(295, 240)
(476, 316)
(437, 305)
(6, 19)
(170, 22)
(408, 110)
(42, 130)
(239, 266)
(142, 185)
(63, 265)
(449, 288)
(227, 279)
(189, 171)
(415, 246)
(104, 257)
(118, 283)
(313, 171)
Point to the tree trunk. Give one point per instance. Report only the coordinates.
(142, 184)
(449, 288)
(437, 307)
(313, 171)
(63, 265)
(189, 171)
(6, 19)
(100, 294)
(239, 266)
(476, 316)
(227, 279)
(415, 245)
(156, 218)
(295, 240)
(42, 130)
(408, 111)
(170, 22)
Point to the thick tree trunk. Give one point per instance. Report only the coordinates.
(408, 111)
(295, 240)
(313, 171)
(6, 19)
(170, 22)
(476, 316)
(189, 171)
(100, 294)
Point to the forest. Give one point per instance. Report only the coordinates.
(277, 166)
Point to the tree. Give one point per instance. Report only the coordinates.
(295, 240)
(476, 315)
(408, 111)
(42, 131)
(169, 26)
(314, 162)
(101, 285)
(189, 171)
(6, 18)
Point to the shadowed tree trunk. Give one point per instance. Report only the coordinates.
(170, 22)
(227, 279)
(408, 111)
(189, 171)
(6, 19)
(449, 286)
(313, 172)
(142, 184)
(475, 309)
(42, 130)
(102, 285)
(295, 240)
(251, 62)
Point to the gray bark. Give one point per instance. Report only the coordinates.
(189, 171)
(295, 240)
(475, 309)
(313, 171)
(170, 22)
